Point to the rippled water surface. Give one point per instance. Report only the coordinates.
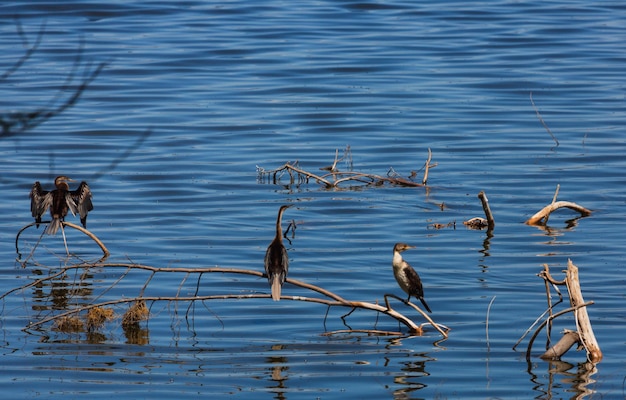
(194, 98)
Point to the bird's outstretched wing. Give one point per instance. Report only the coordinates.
(81, 198)
(40, 201)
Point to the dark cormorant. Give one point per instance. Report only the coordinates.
(406, 276)
(60, 200)
(276, 258)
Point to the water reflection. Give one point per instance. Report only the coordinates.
(57, 294)
(135, 334)
(570, 224)
(559, 374)
(408, 380)
(278, 365)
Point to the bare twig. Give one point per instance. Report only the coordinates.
(487, 321)
(541, 119)
(79, 228)
(549, 319)
(556, 194)
(426, 316)
(29, 51)
(427, 167)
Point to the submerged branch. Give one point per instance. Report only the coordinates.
(335, 177)
(584, 332)
(479, 222)
(550, 208)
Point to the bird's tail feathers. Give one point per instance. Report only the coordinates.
(425, 305)
(276, 288)
(53, 227)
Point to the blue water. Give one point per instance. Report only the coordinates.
(195, 96)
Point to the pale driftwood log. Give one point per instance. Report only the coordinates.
(583, 324)
(543, 214)
(331, 299)
(566, 342)
(584, 331)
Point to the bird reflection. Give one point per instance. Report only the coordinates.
(276, 258)
(406, 276)
(59, 201)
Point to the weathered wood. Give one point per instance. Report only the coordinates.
(547, 210)
(479, 222)
(566, 342)
(584, 332)
(583, 324)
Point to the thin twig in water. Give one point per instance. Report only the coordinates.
(541, 119)
(556, 194)
(487, 322)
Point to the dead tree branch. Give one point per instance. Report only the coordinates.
(329, 299)
(584, 332)
(335, 177)
(105, 251)
(15, 122)
(541, 217)
(550, 208)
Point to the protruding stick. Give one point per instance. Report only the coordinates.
(491, 223)
(427, 167)
(585, 331)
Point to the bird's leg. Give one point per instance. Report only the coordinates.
(64, 240)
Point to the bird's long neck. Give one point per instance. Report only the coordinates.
(279, 220)
(397, 262)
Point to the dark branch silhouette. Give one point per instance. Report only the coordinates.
(16, 122)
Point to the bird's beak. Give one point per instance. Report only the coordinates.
(71, 180)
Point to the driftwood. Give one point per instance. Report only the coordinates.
(334, 178)
(583, 335)
(329, 299)
(547, 210)
(541, 217)
(479, 222)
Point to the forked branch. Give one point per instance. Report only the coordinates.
(541, 217)
(544, 213)
(328, 298)
(15, 122)
(584, 332)
(105, 251)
